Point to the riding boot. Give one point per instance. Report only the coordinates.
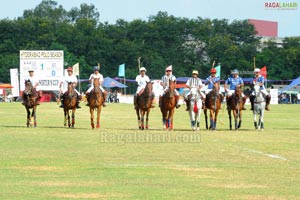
(135, 102)
(268, 99)
(252, 101)
(177, 101)
(221, 99)
(244, 101)
(104, 98)
(160, 101)
(187, 102)
(203, 103)
(78, 101)
(87, 98)
(62, 97)
(227, 99)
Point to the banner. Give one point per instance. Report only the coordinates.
(48, 67)
(218, 68)
(122, 70)
(76, 69)
(14, 81)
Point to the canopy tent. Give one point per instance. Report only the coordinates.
(4, 86)
(288, 87)
(110, 83)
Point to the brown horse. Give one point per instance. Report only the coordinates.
(95, 101)
(167, 106)
(144, 102)
(213, 103)
(69, 104)
(235, 104)
(30, 97)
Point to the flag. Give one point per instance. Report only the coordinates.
(218, 68)
(76, 69)
(263, 72)
(122, 70)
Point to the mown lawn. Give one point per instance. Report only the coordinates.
(118, 161)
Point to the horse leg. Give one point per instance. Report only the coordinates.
(73, 117)
(211, 116)
(28, 117)
(98, 116)
(147, 118)
(205, 114)
(240, 119)
(65, 117)
(229, 115)
(142, 119)
(92, 117)
(262, 119)
(254, 119)
(236, 115)
(69, 123)
(34, 115)
(171, 114)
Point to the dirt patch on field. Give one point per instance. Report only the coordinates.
(82, 196)
(40, 168)
(193, 169)
(260, 197)
(237, 186)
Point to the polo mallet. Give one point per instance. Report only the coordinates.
(139, 62)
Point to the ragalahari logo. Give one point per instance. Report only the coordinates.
(281, 5)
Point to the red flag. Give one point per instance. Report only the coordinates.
(263, 72)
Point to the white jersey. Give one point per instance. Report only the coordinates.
(66, 80)
(34, 81)
(194, 82)
(142, 82)
(92, 76)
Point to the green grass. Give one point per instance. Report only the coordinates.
(120, 162)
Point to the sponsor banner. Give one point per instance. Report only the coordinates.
(48, 67)
(274, 96)
(14, 81)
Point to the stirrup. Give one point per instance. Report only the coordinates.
(177, 106)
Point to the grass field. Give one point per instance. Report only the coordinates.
(120, 162)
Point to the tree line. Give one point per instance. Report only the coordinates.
(161, 40)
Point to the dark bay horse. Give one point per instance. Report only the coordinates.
(69, 102)
(30, 97)
(235, 104)
(213, 103)
(143, 107)
(95, 102)
(167, 106)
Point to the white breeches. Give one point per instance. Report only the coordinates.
(264, 91)
(164, 91)
(230, 92)
(67, 90)
(92, 87)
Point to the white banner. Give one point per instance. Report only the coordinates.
(274, 96)
(48, 67)
(14, 81)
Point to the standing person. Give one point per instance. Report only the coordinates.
(142, 79)
(260, 80)
(165, 83)
(63, 86)
(94, 75)
(234, 81)
(298, 98)
(35, 83)
(193, 83)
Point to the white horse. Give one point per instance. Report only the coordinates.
(195, 108)
(259, 108)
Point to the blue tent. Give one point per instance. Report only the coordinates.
(292, 84)
(111, 83)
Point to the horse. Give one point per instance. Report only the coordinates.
(69, 104)
(95, 102)
(167, 106)
(30, 102)
(195, 108)
(144, 102)
(258, 108)
(213, 103)
(235, 104)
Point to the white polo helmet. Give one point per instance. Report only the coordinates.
(143, 69)
(256, 70)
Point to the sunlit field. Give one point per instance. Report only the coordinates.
(118, 161)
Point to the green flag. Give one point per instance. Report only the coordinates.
(218, 68)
